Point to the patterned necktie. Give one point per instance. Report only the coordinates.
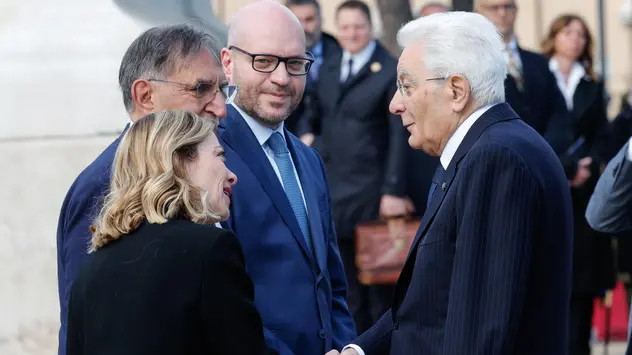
(290, 183)
(437, 179)
(514, 68)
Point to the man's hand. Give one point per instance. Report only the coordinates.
(346, 352)
(394, 206)
(583, 172)
(308, 139)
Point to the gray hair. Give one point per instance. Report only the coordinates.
(462, 43)
(160, 50)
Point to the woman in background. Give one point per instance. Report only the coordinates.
(161, 278)
(569, 49)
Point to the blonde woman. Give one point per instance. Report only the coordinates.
(161, 278)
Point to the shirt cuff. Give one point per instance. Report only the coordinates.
(629, 152)
(354, 347)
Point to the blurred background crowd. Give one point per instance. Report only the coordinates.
(58, 65)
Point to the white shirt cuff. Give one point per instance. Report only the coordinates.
(629, 152)
(354, 347)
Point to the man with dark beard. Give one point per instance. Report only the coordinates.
(280, 209)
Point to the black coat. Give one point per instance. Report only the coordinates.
(174, 288)
(363, 145)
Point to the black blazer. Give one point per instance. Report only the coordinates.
(593, 257)
(363, 145)
(174, 288)
(541, 102)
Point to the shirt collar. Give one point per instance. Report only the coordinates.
(513, 44)
(362, 56)
(577, 70)
(455, 141)
(317, 49)
(261, 132)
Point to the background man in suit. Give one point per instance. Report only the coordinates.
(170, 67)
(531, 89)
(363, 147)
(280, 209)
(324, 47)
(489, 271)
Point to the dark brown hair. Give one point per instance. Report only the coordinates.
(355, 5)
(548, 44)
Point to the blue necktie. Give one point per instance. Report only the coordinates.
(437, 179)
(290, 183)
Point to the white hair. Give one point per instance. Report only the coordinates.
(463, 43)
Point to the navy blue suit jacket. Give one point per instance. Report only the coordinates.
(81, 204)
(489, 272)
(301, 297)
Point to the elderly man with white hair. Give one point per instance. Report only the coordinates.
(489, 271)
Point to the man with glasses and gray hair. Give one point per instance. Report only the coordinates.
(169, 67)
(489, 271)
(280, 208)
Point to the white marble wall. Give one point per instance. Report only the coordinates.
(60, 107)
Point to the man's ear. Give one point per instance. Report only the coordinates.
(227, 62)
(459, 91)
(142, 94)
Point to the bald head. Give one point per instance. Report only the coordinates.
(261, 19)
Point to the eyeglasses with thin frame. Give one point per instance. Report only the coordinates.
(203, 89)
(402, 86)
(267, 63)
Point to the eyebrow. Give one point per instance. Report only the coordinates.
(403, 74)
(205, 81)
(218, 149)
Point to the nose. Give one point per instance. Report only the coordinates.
(396, 106)
(232, 178)
(280, 76)
(217, 106)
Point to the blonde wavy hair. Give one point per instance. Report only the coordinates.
(149, 180)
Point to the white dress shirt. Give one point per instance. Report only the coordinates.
(262, 133)
(359, 60)
(446, 157)
(567, 87)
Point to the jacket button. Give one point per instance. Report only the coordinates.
(396, 325)
(322, 334)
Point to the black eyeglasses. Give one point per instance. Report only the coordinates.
(267, 63)
(204, 89)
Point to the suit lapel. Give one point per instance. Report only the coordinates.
(584, 96)
(238, 135)
(311, 200)
(500, 112)
(363, 73)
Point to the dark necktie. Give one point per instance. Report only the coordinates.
(437, 179)
(350, 72)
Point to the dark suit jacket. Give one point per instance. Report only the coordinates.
(301, 296)
(173, 288)
(489, 272)
(593, 258)
(302, 119)
(81, 204)
(541, 102)
(363, 145)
